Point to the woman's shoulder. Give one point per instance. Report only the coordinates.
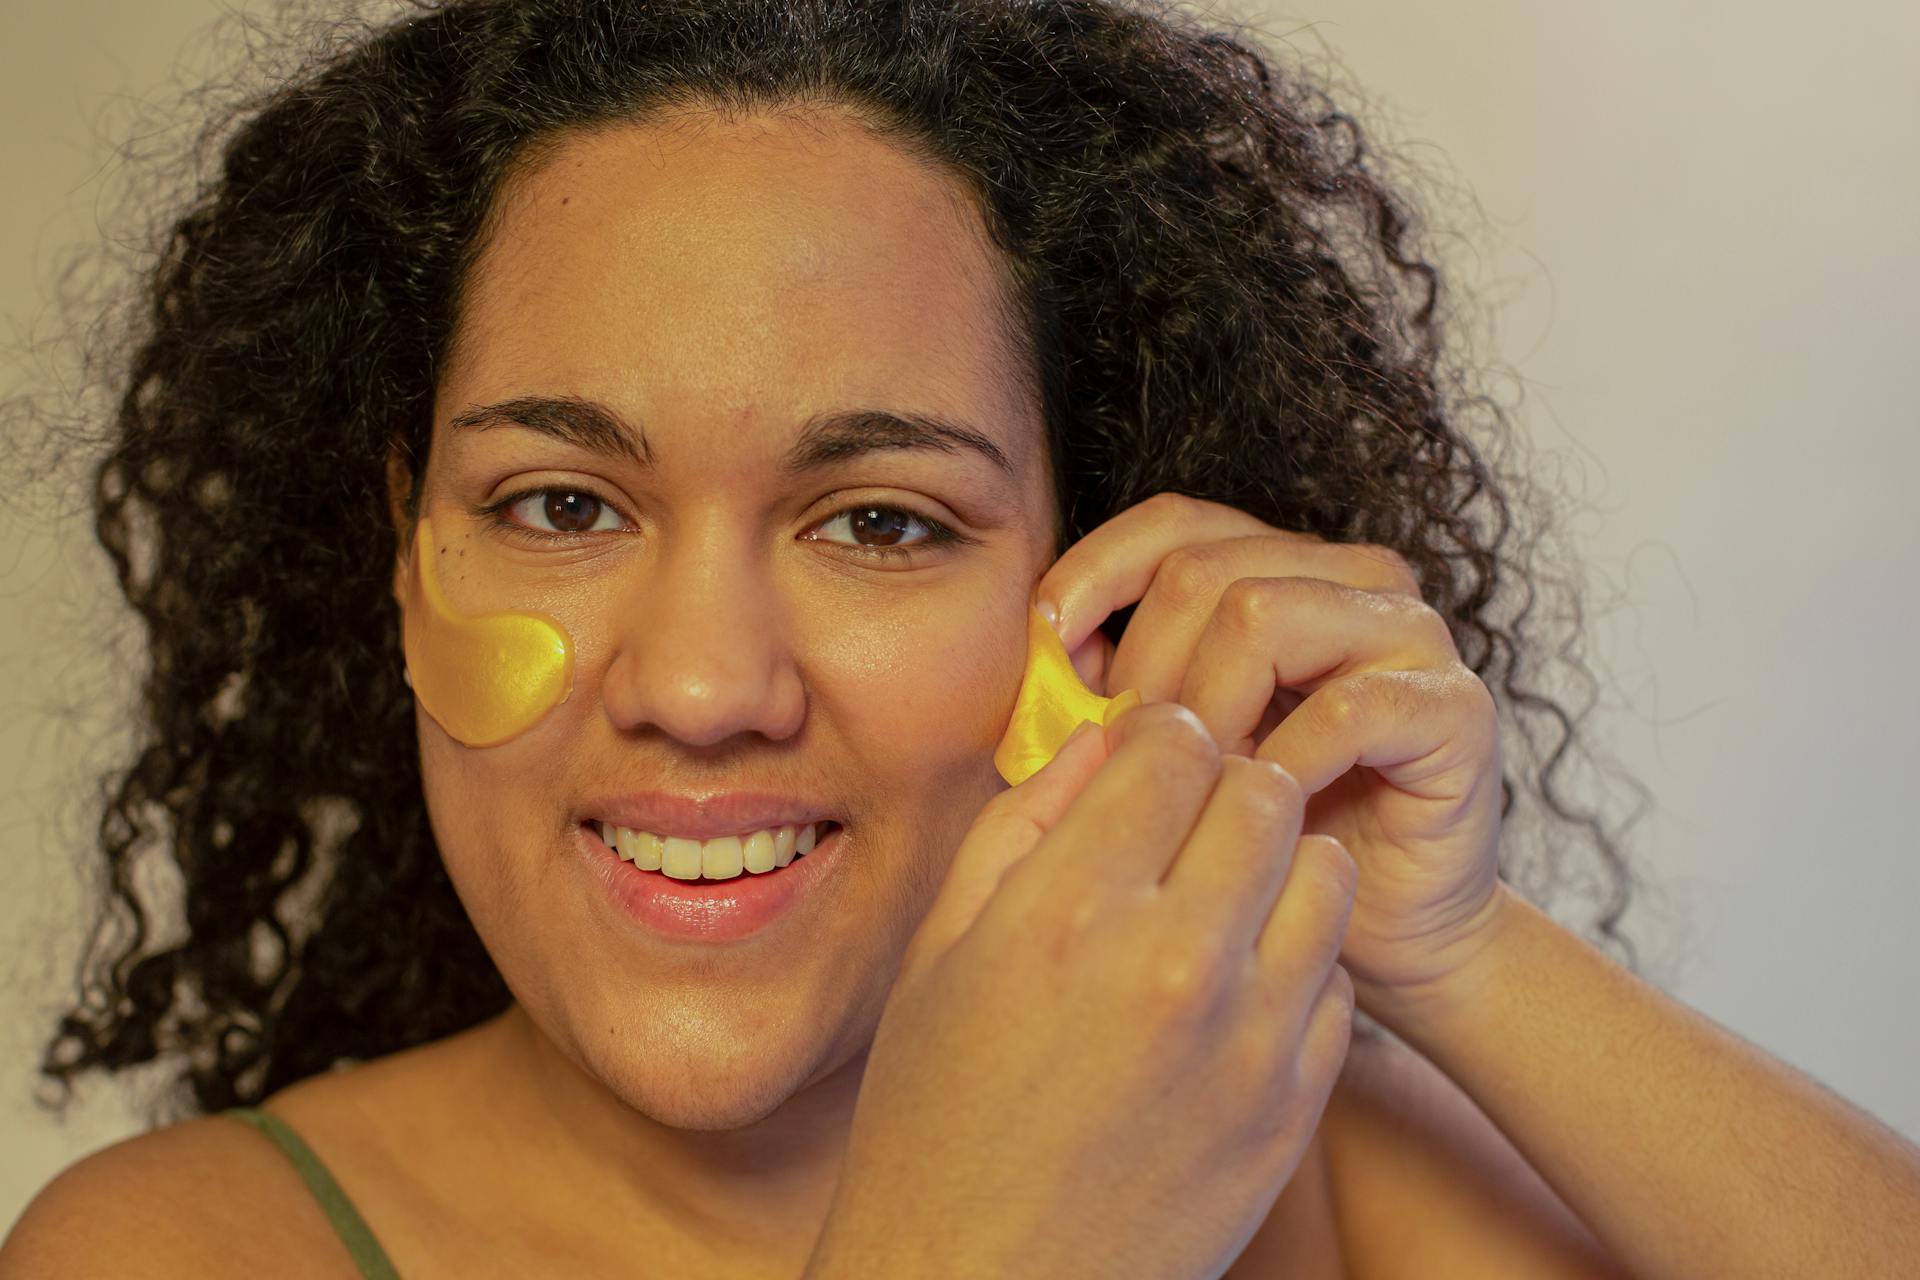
(215, 1196)
(210, 1196)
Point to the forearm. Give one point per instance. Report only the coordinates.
(1687, 1151)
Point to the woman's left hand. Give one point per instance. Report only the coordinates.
(1322, 658)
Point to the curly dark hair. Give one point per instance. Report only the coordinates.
(1218, 293)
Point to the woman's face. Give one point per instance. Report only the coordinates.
(713, 286)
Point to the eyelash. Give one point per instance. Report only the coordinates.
(938, 534)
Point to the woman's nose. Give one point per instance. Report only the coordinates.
(701, 655)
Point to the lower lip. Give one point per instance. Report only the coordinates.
(708, 910)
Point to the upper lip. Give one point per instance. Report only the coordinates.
(704, 817)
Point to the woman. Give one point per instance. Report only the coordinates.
(748, 374)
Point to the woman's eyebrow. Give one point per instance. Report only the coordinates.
(825, 438)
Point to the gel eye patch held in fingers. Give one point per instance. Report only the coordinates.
(1053, 701)
(483, 679)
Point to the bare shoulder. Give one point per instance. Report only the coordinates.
(206, 1197)
(215, 1197)
(1425, 1184)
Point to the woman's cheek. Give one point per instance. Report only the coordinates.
(485, 678)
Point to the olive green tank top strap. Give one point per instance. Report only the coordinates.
(346, 1220)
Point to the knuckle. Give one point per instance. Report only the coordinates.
(1191, 576)
(1180, 508)
(1402, 695)
(1452, 689)
(1336, 707)
(1078, 918)
(1475, 691)
(1252, 604)
(1178, 984)
(1186, 972)
(1425, 618)
(1059, 931)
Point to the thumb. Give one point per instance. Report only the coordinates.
(1006, 830)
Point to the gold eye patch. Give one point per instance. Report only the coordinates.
(483, 679)
(1053, 701)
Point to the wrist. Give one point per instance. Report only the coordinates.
(1412, 1010)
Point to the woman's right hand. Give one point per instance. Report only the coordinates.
(1114, 1033)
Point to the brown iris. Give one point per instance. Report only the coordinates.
(868, 519)
(572, 512)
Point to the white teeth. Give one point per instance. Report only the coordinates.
(681, 858)
(756, 851)
(641, 848)
(719, 859)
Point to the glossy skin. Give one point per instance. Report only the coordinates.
(717, 283)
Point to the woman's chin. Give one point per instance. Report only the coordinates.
(713, 1100)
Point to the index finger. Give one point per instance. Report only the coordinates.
(1114, 564)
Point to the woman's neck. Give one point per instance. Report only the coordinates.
(757, 1190)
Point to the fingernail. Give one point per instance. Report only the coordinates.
(1079, 732)
(1051, 612)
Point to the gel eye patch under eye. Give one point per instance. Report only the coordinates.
(1052, 702)
(489, 678)
(486, 678)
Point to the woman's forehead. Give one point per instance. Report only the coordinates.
(740, 250)
(719, 275)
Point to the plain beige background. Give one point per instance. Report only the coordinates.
(1693, 245)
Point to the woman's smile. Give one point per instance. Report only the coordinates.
(674, 904)
(715, 857)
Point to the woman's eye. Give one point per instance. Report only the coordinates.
(560, 511)
(878, 530)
